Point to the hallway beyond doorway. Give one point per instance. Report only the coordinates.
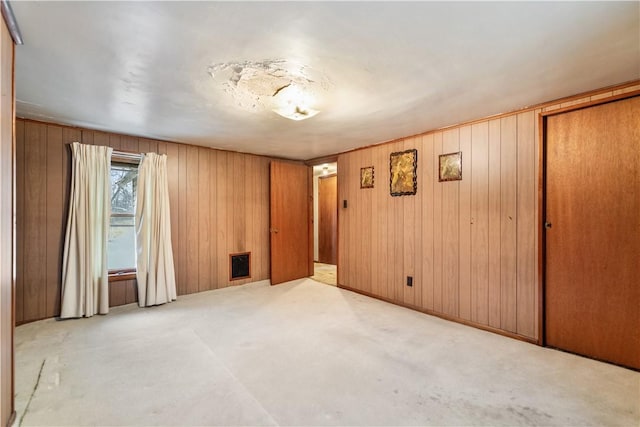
(325, 273)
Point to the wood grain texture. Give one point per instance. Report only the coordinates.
(290, 219)
(467, 223)
(6, 227)
(480, 228)
(328, 220)
(526, 229)
(437, 226)
(201, 193)
(508, 221)
(494, 223)
(55, 218)
(429, 180)
(450, 231)
(593, 247)
(471, 245)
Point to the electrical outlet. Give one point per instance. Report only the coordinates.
(409, 280)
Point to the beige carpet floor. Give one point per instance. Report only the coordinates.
(303, 354)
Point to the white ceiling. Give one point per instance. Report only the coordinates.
(393, 69)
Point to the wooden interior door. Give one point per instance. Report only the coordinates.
(592, 266)
(290, 222)
(328, 219)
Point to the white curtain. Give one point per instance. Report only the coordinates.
(154, 261)
(85, 279)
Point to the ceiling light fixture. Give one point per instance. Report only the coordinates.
(284, 87)
(292, 102)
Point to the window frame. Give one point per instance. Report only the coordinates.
(128, 159)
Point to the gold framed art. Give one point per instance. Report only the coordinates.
(366, 177)
(450, 167)
(403, 180)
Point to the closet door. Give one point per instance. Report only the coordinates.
(328, 220)
(592, 265)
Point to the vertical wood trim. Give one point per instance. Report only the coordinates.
(204, 221)
(480, 228)
(409, 237)
(467, 290)
(7, 236)
(450, 231)
(213, 221)
(55, 219)
(34, 218)
(417, 226)
(508, 221)
(19, 236)
(540, 209)
(375, 223)
(526, 204)
(429, 182)
(192, 221)
(221, 220)
(437, 226)
(494, 270)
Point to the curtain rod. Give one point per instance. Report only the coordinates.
(126, 157)
(12, 24)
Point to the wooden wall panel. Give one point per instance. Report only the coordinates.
(7, 181)
(427, 171)
(466, 287)
(180, 256)
(437, 226)
(526, 237)
(508, 220)
(409, 235)
(204, 221)
(55, 218)
(471, 245)
(34, 220)
(214, 212)
(450, 231)
(494, 215)
(192, 226)
(20, 244)
(480, 220)
(221, 217)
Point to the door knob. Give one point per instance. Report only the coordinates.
(547, 225)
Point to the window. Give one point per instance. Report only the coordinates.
(121, 248)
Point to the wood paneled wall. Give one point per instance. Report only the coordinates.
(219, 205)
(6, 225)
(471, 246)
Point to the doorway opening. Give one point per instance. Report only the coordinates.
(325, 223)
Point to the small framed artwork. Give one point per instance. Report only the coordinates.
(402, 180)
(450, 167)
(366, 177)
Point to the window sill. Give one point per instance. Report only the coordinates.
(117, 277)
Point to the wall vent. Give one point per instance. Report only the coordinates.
(240, 266)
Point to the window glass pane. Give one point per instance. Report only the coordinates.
(121, 250)
(124, 179)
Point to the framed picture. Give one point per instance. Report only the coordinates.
(366, 177)
(402, 180)
(450, 167)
